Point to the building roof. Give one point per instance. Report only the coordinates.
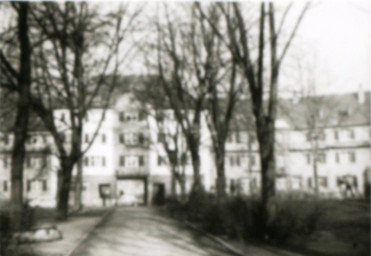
(338, 110)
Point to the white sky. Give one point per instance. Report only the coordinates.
(334, 40)
(338, 34)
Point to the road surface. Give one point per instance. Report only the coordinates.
(143, 231)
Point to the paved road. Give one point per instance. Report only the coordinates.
(141, 232)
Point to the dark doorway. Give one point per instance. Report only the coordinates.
(158, 194)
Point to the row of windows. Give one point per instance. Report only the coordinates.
(95, 161)
(131, 138)
(101, 137)
(30, 162)
(131, 161)
(344, 157)
(29, 185)
(322, 135)
(131, 116)
(31, 140)
(237, 160)
(240, 137)
(323, 181)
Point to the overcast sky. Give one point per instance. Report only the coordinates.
(338, 34)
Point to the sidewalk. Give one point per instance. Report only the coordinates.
(74, 231)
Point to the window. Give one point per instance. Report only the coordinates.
(141, 138)
(122, 138)
(352, 157)
(337, 157)
(5, 162)
(28, 161)
(141, 160)
(44, 185)
(161, 160)
(122, 116)
(122, 160)
(251, 138)
(322, 158)
(44, 161)
(131, 161)
(5, 186)
(161, 137)
(322, 182)
(231, 160)
(184, 159)
(336, 135)
(351, 134)
(29, 183)
(86, 161)
(252, 160)
(238, 137)
(6, 139)
(230, 138)
(238, 161)
(103, 138)
(308, 158)
(309, 136)
(103, 161)
(131, 138)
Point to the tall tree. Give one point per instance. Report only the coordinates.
(198, 81)
(263, 90)
(81, 48)
(19, 80)
(166, 132)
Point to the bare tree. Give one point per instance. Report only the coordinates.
(239, 43)
(18, 80)
(168, 132)
(71, 74)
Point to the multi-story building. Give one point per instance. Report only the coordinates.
(128, 160)
(39, 172)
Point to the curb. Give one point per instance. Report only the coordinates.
(90, 231)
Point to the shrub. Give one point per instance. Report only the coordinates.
(8, 216)
(239, 217)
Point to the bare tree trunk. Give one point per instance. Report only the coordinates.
(22, 116)
(173, 181)
(78, 186)
(220, 180)
(197, 187)
(266, 145)
(63, 193)
(249, 156)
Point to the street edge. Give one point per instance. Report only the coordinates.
(229, 247)
(236, 251)
(91, 230)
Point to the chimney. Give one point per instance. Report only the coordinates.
(361, 95)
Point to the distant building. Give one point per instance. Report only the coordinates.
(128, 161)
